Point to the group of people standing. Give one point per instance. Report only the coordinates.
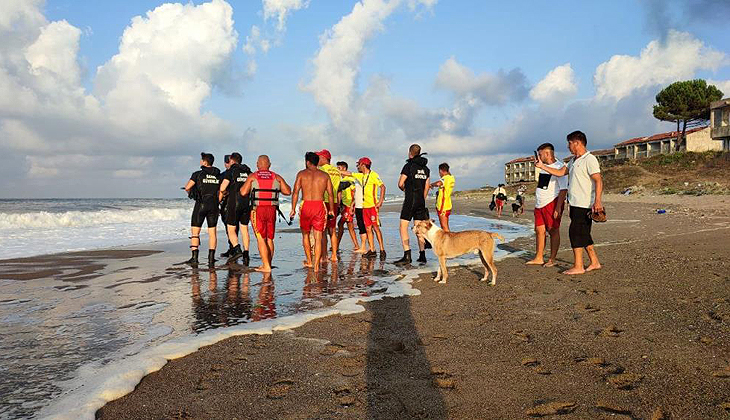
(332, 197)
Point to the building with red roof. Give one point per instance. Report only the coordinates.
(520, 170)
(696, 140)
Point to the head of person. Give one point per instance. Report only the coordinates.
(414, 151)
(342, 165)
(324, 157)
(236, 158)
(363, 164)
(206, 159)
(311, 160)
(227, 161)
(263, 163)
(444, 169)
(577, 142)
(546, 151)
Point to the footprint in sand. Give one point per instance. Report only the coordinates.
(521, 335)
(612, 408)
(279, 389)
(551, 408)
(659, 414)
(610, 331)
(626, 381)
(442, 378)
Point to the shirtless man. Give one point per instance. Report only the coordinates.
(313, 183)
(266, 187)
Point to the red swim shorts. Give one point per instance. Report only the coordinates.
(544, 216)
(446, 213)
(313, 215)
(347, 214)
(371, 216)
(331, 223)
(499, 203)
(263, 219)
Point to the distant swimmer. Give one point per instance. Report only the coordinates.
(414, 182)
(346, 196)
(238, 208)
(370, 183)
(314, 184)
(445, 187)
(203, 187)
(265, 187)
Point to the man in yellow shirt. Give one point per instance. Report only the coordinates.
(324, 164)
(347, 209)
(443, 199)
(370, 182)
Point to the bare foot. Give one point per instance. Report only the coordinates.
(334, 258)
(306, 263)
(535, 261)
(263, 269)
(574, 271)
(549, 263)
(360, 251)
(593, 267)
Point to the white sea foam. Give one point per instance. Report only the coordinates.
(48, 220)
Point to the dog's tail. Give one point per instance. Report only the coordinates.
(497, 236)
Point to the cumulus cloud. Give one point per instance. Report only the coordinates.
(280, 9)
(492, 89)
(147, 99)
(680, 57)
(723, 85)
(556, 87)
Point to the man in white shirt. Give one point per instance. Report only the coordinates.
(585, 187)
(499, 196)
(549, 199)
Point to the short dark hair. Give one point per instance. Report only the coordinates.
(236, 157)
(312, 158)
(227, 158)
(415, 149)
(444, 167)
(342, 163)
(578, 136)
(207, 157)
(544, 146)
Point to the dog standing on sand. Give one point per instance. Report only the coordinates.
(453, 244)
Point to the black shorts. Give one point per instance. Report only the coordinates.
(360, 221)
(237, 212)
(410, 212)
(205, 211)
(580, 227)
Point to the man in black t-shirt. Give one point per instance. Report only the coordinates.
(238, 207)
(414, 182)
(205, 182)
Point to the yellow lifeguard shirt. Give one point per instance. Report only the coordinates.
(443, 200)
(335, 177)
(370, 183)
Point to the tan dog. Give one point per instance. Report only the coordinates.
(453, 244)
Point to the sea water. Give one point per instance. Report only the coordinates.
(70, 343)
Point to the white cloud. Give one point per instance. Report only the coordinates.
(280, 9)
(677, 58)
(556, 87)
(491, 89)
(723, 85)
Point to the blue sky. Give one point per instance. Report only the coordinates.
(459, 77)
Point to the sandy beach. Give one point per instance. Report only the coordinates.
(646, 337)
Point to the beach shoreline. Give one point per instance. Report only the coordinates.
(594, 346)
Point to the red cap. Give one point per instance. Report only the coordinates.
(325, 154)
(364, 161)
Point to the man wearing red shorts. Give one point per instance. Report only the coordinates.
(549, 200)
(313, 183)
(265, 187)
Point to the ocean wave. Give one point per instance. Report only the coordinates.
(45, 220)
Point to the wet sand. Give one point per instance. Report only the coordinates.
(646, 337)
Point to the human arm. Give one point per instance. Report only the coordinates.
(402, 182)
(330, 199)
(222, 189)
(598, 179)
(560, 203)
(436, 184)
(285, 188)
(427, 188)
(246, 187)
(382, 197)
(189, 185)
(562, 171)
(295, 196)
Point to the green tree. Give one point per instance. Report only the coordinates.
(686, 102)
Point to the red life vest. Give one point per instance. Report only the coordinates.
(265, 188)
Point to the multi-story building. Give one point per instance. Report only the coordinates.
(720, 122)
(696, 140)
(520, 170)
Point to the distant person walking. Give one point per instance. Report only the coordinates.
(549, 201)
(414, 182)
(585, 188)
(445, 187)
(203, 187)
(499, 196)
(314, 185)
(265, 187)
